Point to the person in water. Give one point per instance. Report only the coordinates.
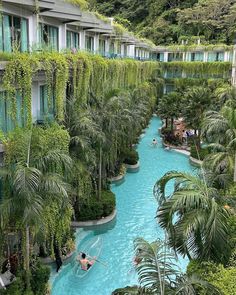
(154, 142)
(137, 258)
(84, 262)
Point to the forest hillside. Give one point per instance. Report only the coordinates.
(171, 21)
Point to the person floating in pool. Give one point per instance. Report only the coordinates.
(137, 258)
(154, 142)
(84, 262)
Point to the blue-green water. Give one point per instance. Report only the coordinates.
(136, 208)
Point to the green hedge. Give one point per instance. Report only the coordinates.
(131, 157)
(93, 209)
(222, 277)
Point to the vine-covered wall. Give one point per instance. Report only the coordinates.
(199, 69)
(84, 73)
(89, 76)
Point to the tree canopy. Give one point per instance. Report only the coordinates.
(169, 21)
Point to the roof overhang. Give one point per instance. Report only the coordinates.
(64, 12)
(30, 4)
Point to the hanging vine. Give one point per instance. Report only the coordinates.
(18, 78)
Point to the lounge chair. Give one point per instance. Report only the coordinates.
(6, 279)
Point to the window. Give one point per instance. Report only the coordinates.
(160, 56)
(215, 56)
(173, 73)
(125, 50)
(102, 47)
(195, 56)
(47, 106)
(220, 56)
(112, 47)
(48, 36)
(177, 56)
(169, 88)
(72, 40)
(13, 32)
(7, 121)
(89, 43)
(118, 48)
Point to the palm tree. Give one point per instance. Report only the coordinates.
(169, 107)
(219, 128)
(196, 224)
(157, 268)
(28, 184)
(196, 100)
(159, 274)
(226, 94)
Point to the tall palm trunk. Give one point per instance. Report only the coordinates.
(100, 174)
(27, 256)
(172, 124)
(235, 167)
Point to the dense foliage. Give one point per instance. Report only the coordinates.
(93, 209)
(166, 22)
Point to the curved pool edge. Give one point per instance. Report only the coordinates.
(117, 179)
(107, 219)
(49, 260)
(132, 168)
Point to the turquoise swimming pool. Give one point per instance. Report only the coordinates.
(136, 208)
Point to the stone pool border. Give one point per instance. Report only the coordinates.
(132, 168)
(49, 260)
(117, 178)
(107, 219)
(182, 151)
(192, 160)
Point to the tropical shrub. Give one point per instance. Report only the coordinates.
(39, 279)
(170, 137)
(93, 209)
(199, 154)
(222, 277)
(131, 157)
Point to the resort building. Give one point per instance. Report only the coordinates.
(36, 26)
(54, 24)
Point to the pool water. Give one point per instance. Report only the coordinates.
(136, 209)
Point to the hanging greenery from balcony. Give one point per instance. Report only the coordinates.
(90, 75)
(18, 77)
(57, 71)
(199, 69)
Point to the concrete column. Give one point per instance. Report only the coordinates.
(226, 56)
(107, 45)
(205, 56)
(82, 40)
(122, 49)
(164, 89)
(35, 106)
(62, 37)
(131, 50)
(33, 32)
(233, 78)
(96, 42)
(165, 56)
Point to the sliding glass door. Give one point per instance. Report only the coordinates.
(13, 33)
